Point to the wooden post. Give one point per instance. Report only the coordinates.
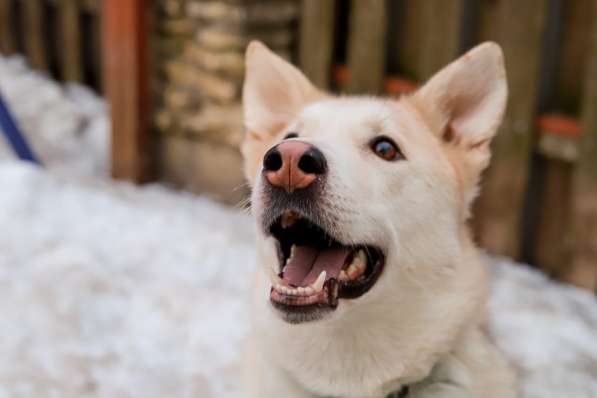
(126, 83)
(551, 242)
(96, 46)
(70, 28)
(583, 269)
(429, 36)
(438, 39)
(518, 27)
(316, 44)
(441, 35)
(34, 35)
(549, 205)
(367, 46)
(7, 39)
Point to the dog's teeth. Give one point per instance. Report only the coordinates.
(301, 290)
(273, 277)
(318, 284)
(352, 270)
(309, 291)
(355, 268)
(362, 259)
(288, 219)
(359, 260)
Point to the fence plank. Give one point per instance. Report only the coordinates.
(518, 27)
(70, 28)
(442, 35)
(96, 44)
(366, 46)
(316, 44)
(549, 205)
(429, 36)
(439, 29)
(583, 270)
(573, 54)
(126, 83)
(34, 35)
(91, 6)
(550, 244)
(7, 39)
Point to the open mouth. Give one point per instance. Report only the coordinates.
(316, 270)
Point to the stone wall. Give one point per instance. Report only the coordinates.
(199, 49)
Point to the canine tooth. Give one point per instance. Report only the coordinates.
(359, 260)
(362, 258)
(352, 270)
(318, 284)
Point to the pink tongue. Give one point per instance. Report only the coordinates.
(307, 263)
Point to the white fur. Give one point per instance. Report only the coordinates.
(421, 322)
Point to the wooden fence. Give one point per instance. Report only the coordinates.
(539, 200)
(60, 37)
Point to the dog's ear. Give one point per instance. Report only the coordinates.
(274, 92)
(464, 104)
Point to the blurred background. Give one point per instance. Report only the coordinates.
(109, 287)
(173, 71)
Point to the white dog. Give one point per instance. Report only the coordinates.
(369, 283)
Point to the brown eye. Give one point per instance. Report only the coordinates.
(386, 149)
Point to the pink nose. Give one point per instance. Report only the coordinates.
(293, 165)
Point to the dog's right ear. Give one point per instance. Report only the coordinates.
(274, 93)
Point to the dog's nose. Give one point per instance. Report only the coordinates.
(293, 165)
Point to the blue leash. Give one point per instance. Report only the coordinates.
(16, 140)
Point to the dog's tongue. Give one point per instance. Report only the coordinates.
(306, 264)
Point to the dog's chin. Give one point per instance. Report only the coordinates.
(316, 271)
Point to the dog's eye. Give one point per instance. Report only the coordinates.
(386, 149)
(290, 135)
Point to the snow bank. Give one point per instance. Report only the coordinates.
(113, 291)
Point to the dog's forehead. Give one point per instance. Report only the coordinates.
(356, 115)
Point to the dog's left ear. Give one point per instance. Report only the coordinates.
(464, 104)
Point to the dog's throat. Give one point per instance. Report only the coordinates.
(306, 263)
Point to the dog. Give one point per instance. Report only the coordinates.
(368, 283)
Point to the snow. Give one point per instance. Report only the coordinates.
(67, 126)
(112, 290)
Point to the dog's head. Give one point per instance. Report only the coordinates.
(357, 194)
